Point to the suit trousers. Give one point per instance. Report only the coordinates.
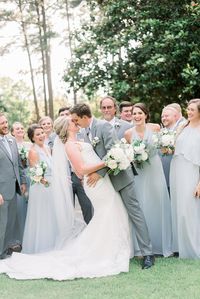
(8, 215)
(84, 201)
(137, 218)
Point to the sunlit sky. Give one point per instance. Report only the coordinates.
(15, 63)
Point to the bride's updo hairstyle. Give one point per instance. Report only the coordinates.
(60, 127)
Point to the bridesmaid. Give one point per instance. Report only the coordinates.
(150, 184)
(185, 186)
(39, 232)
(47, 125)
(17, 130)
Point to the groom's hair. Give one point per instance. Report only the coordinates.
(81, 110)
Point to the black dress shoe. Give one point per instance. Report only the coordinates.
(14, 248)
(148, 261)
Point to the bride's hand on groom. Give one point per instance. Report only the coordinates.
(92, 179)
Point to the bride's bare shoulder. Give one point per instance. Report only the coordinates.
(73, 145)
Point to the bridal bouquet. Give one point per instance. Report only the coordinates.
(119, 157)
(140, 153)
(165, 141)
(37, 173)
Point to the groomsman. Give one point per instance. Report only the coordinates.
(126, 111)
(12, 181)
(108, 106)
(124, 181)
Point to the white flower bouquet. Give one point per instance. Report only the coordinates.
(119, 157)
(165, 141)
(37, 173)
(140, 153)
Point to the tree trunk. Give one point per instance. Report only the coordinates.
(42, 57)
(48, 61)
(70, 43)
(23, 26)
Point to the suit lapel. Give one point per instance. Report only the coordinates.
(5, 151)
(94, 129)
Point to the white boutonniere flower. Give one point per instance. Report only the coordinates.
(95, 141)
(117, 124)
(10, 140)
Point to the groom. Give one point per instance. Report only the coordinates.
(102, 136)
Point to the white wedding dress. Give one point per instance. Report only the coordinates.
(101, 249)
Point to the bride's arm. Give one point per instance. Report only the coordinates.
(73, 151)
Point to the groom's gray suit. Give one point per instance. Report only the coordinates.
(11, 177)
(123, 182)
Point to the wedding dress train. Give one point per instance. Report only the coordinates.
(101, 249)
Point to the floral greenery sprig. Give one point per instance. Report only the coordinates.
(140, 153)
(119, 157)
(37, 173)
(23, 152)
(165, 141)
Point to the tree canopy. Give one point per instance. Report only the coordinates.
(142, 50)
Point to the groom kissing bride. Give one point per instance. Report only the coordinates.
(95, 129)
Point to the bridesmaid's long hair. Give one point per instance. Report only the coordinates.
(144, 108)
(60, 127)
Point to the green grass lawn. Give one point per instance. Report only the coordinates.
(169, 278)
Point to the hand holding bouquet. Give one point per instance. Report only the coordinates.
(140, 153)
(165, 141)
(37, 173)
(119, 157)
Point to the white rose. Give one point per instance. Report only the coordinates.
(139, 149)
(166, 140)
(124, 164)
(112, 164)
(129, 153)
(118, 154)
(38, 171)
(144, 156)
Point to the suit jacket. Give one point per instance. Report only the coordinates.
(12, 173)
(121, 126)
(107, 137)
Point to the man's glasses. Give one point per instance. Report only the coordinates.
(107, 107)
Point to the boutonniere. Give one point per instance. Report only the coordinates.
(10, 140)
(95, 141)
(117, 124)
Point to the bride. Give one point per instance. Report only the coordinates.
(103, 247)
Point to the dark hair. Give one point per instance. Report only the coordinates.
(124, 104)
(63, 109)
(144, 108)
(31, 131)
(195, 101)
(81, 110)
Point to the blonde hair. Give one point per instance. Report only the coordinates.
(61, 125)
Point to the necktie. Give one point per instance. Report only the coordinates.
(89, 134)
(6, 145)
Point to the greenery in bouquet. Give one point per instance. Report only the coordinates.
(165, 141)
(140, 153)
(23, 153)
(37, 173)
(119, 157)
